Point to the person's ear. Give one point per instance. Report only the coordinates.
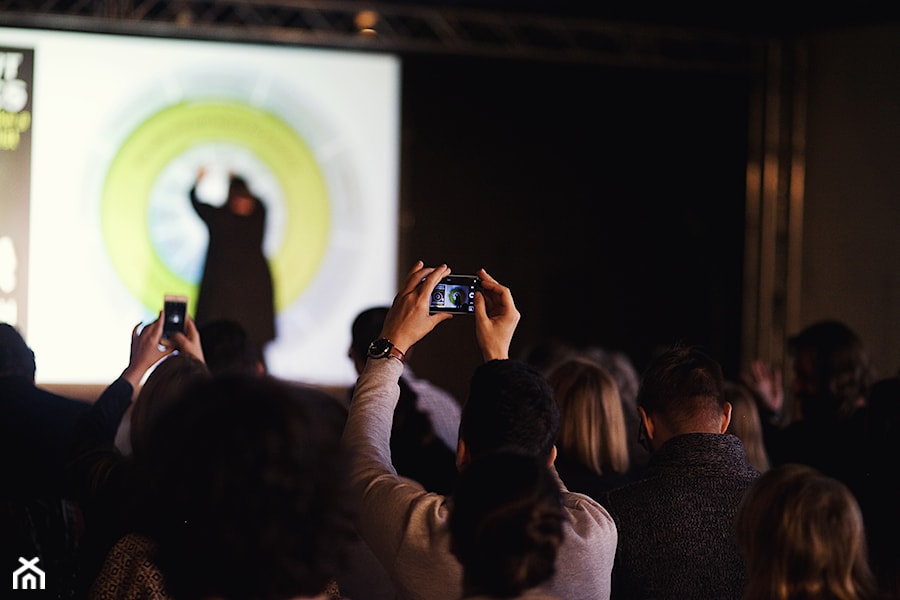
(462, 455)
(726, 416)
(649, 425)
(552, 458)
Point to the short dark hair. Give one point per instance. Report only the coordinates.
(506, 524)
(247, 490)
(227, 348)
(682, 383)
(16, 358)
(367, 327)
(510, 407)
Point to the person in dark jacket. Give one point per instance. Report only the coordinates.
(236, 282)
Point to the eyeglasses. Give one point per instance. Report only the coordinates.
(643, 440)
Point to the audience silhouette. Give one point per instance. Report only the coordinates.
(196, 474)
(244, 496)
(102, 475)
(228, 348)
(38, 518)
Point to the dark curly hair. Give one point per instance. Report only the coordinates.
(506, 524)
(247, 490)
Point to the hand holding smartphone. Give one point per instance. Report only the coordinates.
(174, 314)
(455, 294)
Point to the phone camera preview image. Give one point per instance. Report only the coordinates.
(174, 315)
(454, 294)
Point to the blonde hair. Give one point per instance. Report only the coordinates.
(746, 425)
(592, 421)
(802, 536)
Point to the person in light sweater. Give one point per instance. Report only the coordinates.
(510, 407)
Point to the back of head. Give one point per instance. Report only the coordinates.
(683, 386)
(842, 372)
(366, 327)
(506, 524)
(802, 536)
(592, 423)
(228, 349)
(510, 407)
(160, 391)
(16, 358)
(622, 370)
(249, 490)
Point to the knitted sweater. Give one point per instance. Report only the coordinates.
(676, 532)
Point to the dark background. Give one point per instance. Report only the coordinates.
(610, 200)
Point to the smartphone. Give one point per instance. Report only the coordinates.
(174, 314)
(455, 294)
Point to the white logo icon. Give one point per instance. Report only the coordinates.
(29, 576)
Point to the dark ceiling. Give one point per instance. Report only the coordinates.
(765, 17)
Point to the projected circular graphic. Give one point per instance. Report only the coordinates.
(144, 196)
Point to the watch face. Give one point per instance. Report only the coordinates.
(380, 348)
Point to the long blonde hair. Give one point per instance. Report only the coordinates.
(802, 536)
(592, 421)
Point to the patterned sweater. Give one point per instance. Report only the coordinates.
(676, 537)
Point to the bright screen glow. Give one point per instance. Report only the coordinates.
(120, 127)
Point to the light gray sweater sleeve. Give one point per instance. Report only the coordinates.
(404, 525)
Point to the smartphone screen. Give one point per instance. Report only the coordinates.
(174, 314)
(455, 294)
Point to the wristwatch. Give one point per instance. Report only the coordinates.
(384, 348)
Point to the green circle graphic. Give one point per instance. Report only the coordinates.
(168, 134)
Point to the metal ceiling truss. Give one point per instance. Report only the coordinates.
(402, 29)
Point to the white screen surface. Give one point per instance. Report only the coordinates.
(120, 126)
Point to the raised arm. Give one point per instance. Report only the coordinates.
(496, 318)
(409, 319)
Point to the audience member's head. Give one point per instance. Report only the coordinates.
(365, 328)
(506, 524)
(16, 358)
(228, 348)
(250, 501)
(546, 353)
(592, 425)
(510, 407)
(745, 423)
(832, 372)
(801, 535)
(160, 391)
(620, 366)
(622, 370)
(681, 392)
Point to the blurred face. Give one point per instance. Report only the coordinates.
(806, 380)
(241, 205)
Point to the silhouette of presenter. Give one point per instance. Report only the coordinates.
(236, 282)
